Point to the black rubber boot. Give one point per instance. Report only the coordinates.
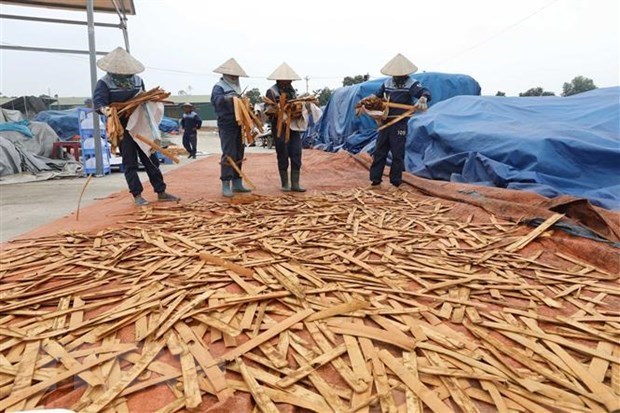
(295, 182)
(286, 187)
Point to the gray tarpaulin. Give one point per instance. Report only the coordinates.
(8, 115)
(20, 154)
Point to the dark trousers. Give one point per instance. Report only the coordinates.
(130, 153)
(230, 140)
(290, 150)
(391, 139)
(190, 143)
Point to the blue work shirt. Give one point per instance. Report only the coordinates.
(190, 122)
(107, 91)
(221, 99)
(407, 93)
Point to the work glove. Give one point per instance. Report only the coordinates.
(422, 103)
(106, 111)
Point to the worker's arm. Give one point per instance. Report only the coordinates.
(421, 94)
(417, 91)
(198, 122)
(270, 95)
(221, 102)
(101, 96)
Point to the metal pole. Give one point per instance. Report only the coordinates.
(47, 20)
(125, 34)
(90, 11)
(123, 25)
(46, 50)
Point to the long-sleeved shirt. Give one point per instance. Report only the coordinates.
(221, 99)
(406, 93)
(190, 122)
(107, 91)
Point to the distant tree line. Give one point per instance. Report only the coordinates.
(579, 84)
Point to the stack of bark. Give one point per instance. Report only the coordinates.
(116, 110)
(247, 120)
(352, 301)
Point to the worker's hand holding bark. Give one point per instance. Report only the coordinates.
(422, 105)
(106, 111)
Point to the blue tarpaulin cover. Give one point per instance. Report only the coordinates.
(339, 128)
(549, 145)
(168, 125)
(65, 122)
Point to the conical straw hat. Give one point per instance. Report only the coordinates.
(119, 62)
(231, 67)
(284, 72)
(399, 66)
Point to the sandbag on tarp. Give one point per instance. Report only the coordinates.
(339, 128)
(549, 145)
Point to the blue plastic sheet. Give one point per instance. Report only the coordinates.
(339, 128)
(168, 125)
(65, 122)
(21, 127)
(549, 145)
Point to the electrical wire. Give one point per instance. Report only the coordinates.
(512, 26)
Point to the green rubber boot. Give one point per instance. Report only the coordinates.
(295, 182)
(226, 191)
(284, 179)
(237, 186)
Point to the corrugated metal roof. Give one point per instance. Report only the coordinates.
(105, 6)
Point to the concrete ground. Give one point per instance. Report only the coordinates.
(26, 206)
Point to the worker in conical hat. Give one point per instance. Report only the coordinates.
(190, 123)
(230, 132)
(404, 89)
(120, 84)
(284, 76)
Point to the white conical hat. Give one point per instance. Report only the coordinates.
(399, 66)
(119, 62)
(231, 67)
(284, 72)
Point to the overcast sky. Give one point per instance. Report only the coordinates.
(509, 45)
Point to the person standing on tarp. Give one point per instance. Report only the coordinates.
(120, 84)
(190, 122)
(284, 76)
(230, 132)
(400, 88)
